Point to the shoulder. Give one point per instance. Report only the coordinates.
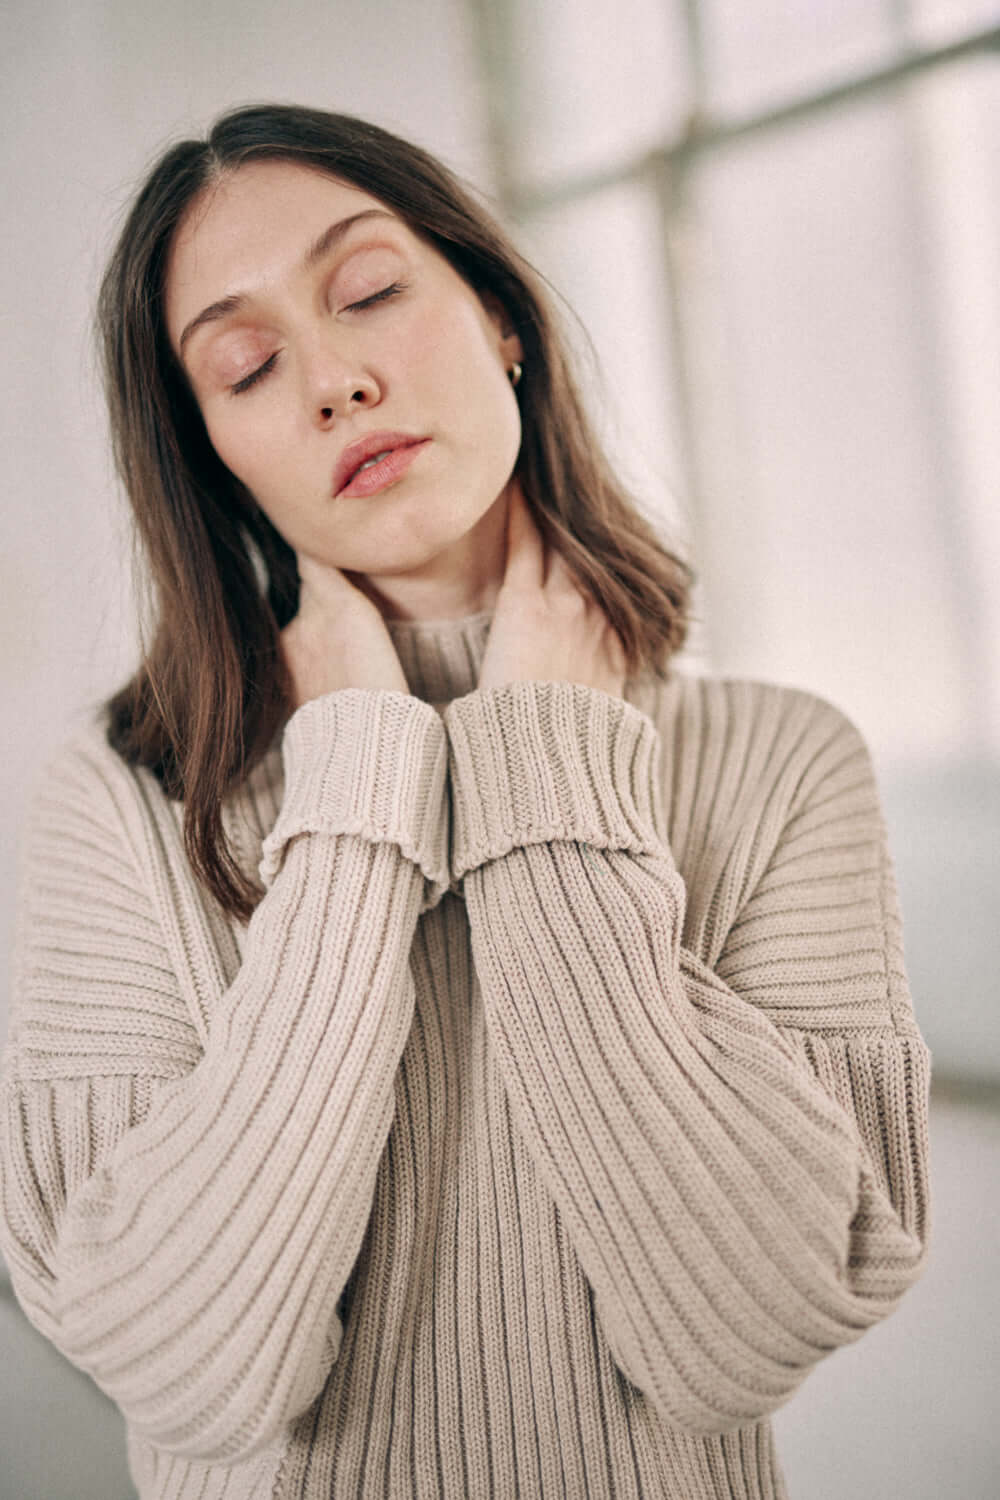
(724, 719)
(693, 697)
(86, 789)
(85, 774)
(87, 804)
(743, 758)
(753, 774)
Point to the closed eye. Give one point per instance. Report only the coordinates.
(254, 376)
(383, 296)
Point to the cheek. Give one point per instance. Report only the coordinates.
(242, 445)
(425, 354)
(448, 343)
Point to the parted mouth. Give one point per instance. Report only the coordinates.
(367, 451)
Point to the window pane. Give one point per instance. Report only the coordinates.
(760, 55)
(957, 114)
(604, 255)
(589, 84)
(938, 21)
(827, 552)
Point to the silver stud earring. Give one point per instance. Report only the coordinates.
(514, 373)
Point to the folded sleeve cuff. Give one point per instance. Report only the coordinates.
(367, 761)
(535, 761)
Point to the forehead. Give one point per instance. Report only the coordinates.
(251, 225)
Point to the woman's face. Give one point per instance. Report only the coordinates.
(318, 333)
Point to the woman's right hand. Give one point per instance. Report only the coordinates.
(338, 638)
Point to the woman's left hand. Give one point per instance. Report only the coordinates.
(543, 627)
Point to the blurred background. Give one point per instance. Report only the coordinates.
(779, 227)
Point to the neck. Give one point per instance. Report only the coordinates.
(457, 581)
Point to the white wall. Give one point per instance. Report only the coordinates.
(92, 91)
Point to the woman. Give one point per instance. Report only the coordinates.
(452, 1055)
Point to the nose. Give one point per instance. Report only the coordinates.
(338, 385)
(361, 390)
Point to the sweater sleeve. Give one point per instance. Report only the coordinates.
(183, 1203)
(738, 1151)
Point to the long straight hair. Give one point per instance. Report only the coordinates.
(212, 692)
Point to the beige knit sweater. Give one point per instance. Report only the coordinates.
(560, 1107)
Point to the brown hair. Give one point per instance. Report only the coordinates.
(212, 691)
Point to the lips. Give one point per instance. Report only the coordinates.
(374, 445)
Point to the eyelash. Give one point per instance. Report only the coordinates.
(250, 380)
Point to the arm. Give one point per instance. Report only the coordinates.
(738, 1152)
(180, 1215)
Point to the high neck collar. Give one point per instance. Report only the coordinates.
(441, 658)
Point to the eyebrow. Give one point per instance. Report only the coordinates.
(320, 247)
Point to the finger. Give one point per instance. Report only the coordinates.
(563, 581)
(320, 580)
(525, 549)
(561, 575)
(328, 592)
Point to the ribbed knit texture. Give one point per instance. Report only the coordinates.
(560, 1107)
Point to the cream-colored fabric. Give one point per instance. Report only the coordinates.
(560, 1107)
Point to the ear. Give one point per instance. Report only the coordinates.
(509, 340)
